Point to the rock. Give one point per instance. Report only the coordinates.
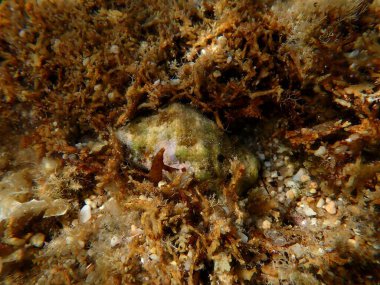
(320, 151)
(320, 203)
(12, 209)
(290, 194)
(266, 225)
(191, 142)
(115, 240)
(301, 176)
(309, 211)
(37, 240)
(330, 207)
(298, 250)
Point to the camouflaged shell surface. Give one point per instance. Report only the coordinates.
(192, 142)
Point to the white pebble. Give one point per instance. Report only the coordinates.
(352, 242)
(85, 61)
(321, 151)
(81, 243)
(305, 178)
(274, 174)
(154, 257)
(85, 214)
(222, 40)
(217, 73)
(320, 203)
(243, 237)
(97, 87)
(37, 240)
(115, 49)
(290, 184)
(298, 250)
(299, 176)
(290, 194)
(266, 225)
(115, 240)
(111, 96)
(309, 211)
(175, 81)
(22, 33)
(331, 208)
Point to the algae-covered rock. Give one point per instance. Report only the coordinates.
(192, 142)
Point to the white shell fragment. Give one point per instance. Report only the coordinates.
(85, 214)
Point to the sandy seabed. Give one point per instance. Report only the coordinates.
(296, 82)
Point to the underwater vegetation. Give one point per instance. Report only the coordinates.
(189, 142)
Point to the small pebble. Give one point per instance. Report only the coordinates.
(313, 185)
(81, 243)
(300, 175)
(175, 81)
(115, 240)
(22, 33)
(352, 242)
(290, 194)
(266, 225)
(309, 211)
(320, 151)
(290, 183)
(114, 49)
(217, 73)
(97, 87)
(305, 178)
(313, 191)
(222, 40)
(330, 207)
(37, 240)
(320, 203)
(111, 96)
(274, 174)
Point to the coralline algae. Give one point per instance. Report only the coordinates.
(192, 142)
